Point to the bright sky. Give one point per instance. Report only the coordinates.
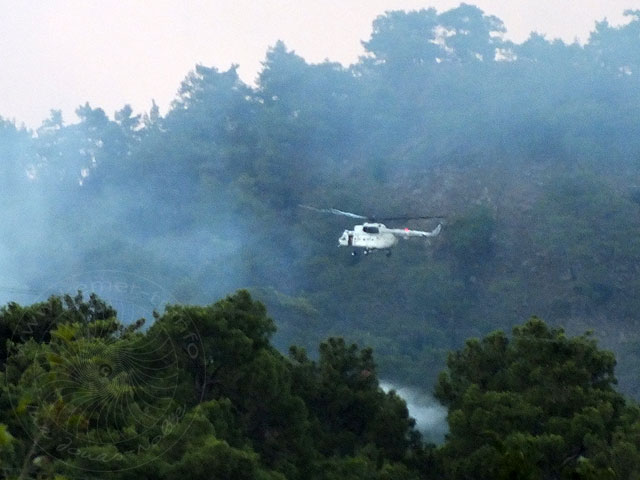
(58, 54)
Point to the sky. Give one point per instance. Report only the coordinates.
(59, 54)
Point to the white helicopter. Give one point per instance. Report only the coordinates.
(371, 235)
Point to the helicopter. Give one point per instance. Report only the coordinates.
(371, 235)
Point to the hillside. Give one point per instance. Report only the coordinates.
(530, 150)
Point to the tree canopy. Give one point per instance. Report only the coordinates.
(202, 393)
(536, 405)
(530, 150)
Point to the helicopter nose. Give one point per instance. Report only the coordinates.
(343, 240)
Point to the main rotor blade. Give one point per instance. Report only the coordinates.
(412, 217)
(334, 211)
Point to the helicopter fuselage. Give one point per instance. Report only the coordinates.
(370, 236)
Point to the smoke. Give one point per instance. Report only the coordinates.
(430, 416)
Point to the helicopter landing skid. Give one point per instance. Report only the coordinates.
(366, 251)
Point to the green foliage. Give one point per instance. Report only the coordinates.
(593, 237)
(201, 394)
(530, 150)
(471, 237)
(537, 405)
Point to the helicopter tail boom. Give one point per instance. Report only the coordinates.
(406, 233)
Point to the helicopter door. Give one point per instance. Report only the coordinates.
(350, 242)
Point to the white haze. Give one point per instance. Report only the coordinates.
(59, 55)
(430, 416)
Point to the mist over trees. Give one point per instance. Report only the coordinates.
(530, 150)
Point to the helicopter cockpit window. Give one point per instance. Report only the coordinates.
(370, 229)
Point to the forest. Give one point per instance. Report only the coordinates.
(529, 150)
(203, 394)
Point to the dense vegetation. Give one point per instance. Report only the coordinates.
(202, 394)
(530, 149)
(538, 405)
(199, 394)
